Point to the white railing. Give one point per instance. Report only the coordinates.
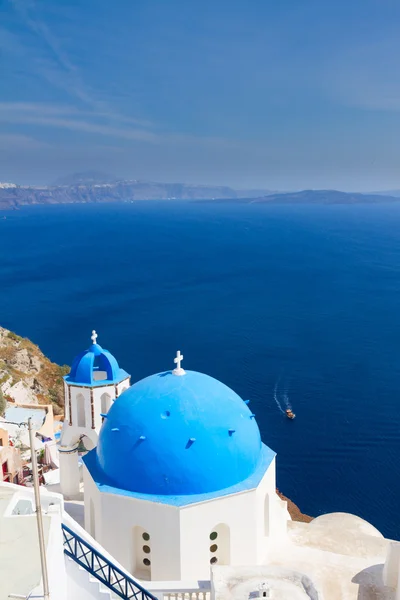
(182, 595)
(180, 590)
(163, 590)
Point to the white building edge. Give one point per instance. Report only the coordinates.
(179, 498)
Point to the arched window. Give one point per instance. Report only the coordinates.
(85, 444)
(80, 409)
(105, 403)
(141, 553)
(220, 545)
(266, 515)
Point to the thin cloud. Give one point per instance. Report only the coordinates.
(36, 108)
(366, 75)
(57, 68)
(94, 116)
(68, 76)
(70, 118)
(16, 141)
(44, 109)
(60, 122)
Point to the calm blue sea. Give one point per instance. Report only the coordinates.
(296, 305)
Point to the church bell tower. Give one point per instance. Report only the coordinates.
(94, 383)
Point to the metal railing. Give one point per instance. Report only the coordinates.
(100, 567)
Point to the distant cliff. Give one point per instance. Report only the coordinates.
(89, 191)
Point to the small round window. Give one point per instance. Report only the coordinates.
(146, 562)
(213, 548)
(213, 560)
(146, 537)
(146, 549)
(213, 535)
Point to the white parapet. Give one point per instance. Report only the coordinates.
(391, 569)
(20, 566)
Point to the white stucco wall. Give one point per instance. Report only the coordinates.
(69, 473)
(272, 514)
(239, 534)
(116, 518)
(243, 513)
(80, 586)
(92, 502)
(391, 570)
(121, 387)
(55, 557)
(180, 536)
(52, 508)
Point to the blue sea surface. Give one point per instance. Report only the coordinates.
(294, 305)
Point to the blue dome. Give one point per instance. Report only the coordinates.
(95, 366)
(178, 435)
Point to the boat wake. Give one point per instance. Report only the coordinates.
(282, 397)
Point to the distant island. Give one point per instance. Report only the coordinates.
(314, 197)
(92, 187)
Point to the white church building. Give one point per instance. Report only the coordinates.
(178, 478)
(178, 487)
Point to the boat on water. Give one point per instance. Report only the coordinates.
(289, 413)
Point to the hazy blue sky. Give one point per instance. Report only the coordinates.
(282, 94)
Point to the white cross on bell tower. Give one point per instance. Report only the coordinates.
(178, 370)
(94, 337)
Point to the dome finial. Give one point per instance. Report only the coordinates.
(177, 361)
(94, 337)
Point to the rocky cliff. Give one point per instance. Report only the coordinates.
(27, 376)
(294, 510)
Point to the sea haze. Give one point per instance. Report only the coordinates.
(285, 304)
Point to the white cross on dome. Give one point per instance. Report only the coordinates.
(94, 337)
(178, 370)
